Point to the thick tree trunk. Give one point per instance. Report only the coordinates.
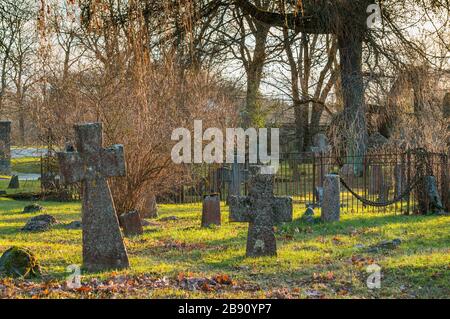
(252, 115)
(350, 48)
(252, 105)
(301, 125)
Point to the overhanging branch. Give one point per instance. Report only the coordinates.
(318, 22)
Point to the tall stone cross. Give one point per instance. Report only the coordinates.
(103, 246)
(262, 210)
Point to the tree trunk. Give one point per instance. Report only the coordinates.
(350, 48)
(252, 115)
(301, 125)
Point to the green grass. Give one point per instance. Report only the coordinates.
(27, 165)
(319, 259)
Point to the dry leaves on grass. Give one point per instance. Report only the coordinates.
(362, 261)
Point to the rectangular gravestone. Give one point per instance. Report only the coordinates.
(331, 205)
(131, 224)
(103, 246)
(262, 210)
(5, 147)
(211, 210)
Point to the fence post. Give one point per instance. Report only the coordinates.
(408, 161)
(444, 183)
(314, 177)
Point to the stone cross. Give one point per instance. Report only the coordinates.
(262, 210)
(331, 205)
(103, 246)
(5, 147)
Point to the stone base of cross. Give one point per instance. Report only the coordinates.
(262, 210)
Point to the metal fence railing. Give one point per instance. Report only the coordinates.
(378, 178)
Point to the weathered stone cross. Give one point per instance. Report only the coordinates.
(103, 246)
(262, 210)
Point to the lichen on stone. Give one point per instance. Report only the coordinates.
(19, 262)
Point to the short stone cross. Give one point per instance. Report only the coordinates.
(262, 210)
(103, 246)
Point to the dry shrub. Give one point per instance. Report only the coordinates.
(140, 111)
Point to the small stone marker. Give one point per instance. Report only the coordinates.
(14, 182)
(32, 208)
(262, 210)
(149, 208)
(19, 262)
(5, 147)
(308, 215)
(40, 223)
(331, 206)
(131, 224)
(434, 198)
(211, 210)
(103, 246)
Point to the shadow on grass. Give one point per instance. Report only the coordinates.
(343, 226)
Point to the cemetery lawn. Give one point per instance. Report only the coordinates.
(175, 256)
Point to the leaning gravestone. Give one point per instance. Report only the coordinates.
(149, 207)
(331, 206)
(211, 210)
(103, 246)
(262, 210)
(131, 224)
(5, 147)
(14, 182)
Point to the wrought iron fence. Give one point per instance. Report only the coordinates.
(385, 181)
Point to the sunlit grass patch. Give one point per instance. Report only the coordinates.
(328, 259)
